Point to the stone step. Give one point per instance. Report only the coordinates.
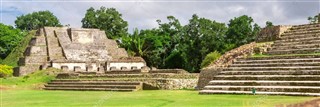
(304, 26)
(272, 72)
(269, 77)
(298, 29)
(36, 41)
(123, 72)
(301, 32)
(94, 83)
(313, 37)
(87, 89)
(261, 61)
(272, 68)
(310, 89)
(152, 75)
(259, 93)
(92, 80)
(262, 83)
(298, 46)
(35, 50)
(298, 36)
(309, 57)
(93, 86)
(31, 60)
(276, 64)
(296, 43)
(294, 51)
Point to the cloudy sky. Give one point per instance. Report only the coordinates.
(143, 14)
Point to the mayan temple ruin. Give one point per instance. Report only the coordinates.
(91, 61)
(290, 65)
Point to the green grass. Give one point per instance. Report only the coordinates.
(154, 98)
(17, 52)
(32, 81)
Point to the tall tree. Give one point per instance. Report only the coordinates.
(9, 39)
(107, 19)
(242, 30)
(200, 37)
(36, 20)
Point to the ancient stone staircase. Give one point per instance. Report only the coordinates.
(292, 67)
(120, 81)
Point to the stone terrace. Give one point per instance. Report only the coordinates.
(292, 67)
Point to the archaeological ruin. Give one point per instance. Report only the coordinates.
(91, 61)
(287, 63)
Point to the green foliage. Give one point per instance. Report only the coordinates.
(211, 57)
(269, 24)
(242, 30)
(107, 19)
(35, 20)
(313, 19)
(18, 51)
(5, 70)
(9, 39)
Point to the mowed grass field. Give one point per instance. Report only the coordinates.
(146, 98)
(26, 91)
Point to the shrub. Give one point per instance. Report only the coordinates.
(6, 70)
(211, 57)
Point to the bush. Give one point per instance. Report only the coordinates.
(211, 57)
(6, 70)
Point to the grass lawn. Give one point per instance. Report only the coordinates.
(26, 91)
(151, 98)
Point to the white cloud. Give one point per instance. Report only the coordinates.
(141, 14)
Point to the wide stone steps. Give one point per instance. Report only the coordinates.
(301, 32)
(306, 60)
(301, 29)
(294, 51)
(86, 89)
(316, 41)
(272, 72)
(305, 26)
(262, 83)
(152, 75)
(301, 36)
(276, 64)
(272, 68)
(93, 85)
(311, 89)
(298, 46)
(297, 39)
(259, 92)
(308, 57)
(269, 77)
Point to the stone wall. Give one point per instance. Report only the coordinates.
(226, 59)
(170, 84)
(271, 33)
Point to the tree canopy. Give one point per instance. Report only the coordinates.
(36, 20)
(9, 39)
(107, 19)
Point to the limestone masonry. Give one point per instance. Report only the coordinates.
(78, 50)
(290, 66)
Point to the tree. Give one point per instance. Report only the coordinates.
(37, 20)
(242, 30)
(200, 37)
(269, 24)
(107, 19)
(9, 39)
(314, 19)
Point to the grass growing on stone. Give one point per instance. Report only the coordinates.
(32, 81)
(17, 52)
(154, 98)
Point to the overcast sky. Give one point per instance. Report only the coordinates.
(143, 14)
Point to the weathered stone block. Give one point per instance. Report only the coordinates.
(24, 70)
